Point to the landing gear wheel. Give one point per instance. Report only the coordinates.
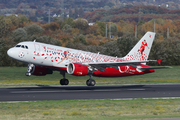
(64, 81)
(90, 82)
(61, 82)
(28, 74)
(87, 83)
(93, 82)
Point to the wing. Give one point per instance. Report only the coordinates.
(102, 65)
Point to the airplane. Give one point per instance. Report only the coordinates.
(43, 59)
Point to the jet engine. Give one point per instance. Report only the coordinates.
(37, 70)
(77, 69)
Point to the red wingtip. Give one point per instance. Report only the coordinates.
(159, 61)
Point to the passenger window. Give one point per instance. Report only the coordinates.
(26, 47)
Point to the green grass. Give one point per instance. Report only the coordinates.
(91, 109)
(15, 76)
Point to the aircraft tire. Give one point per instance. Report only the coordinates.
(64, 81)
(93, 82)
(90, 82)
(28, 74)
(87, 82)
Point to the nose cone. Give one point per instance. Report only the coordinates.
(10, 52)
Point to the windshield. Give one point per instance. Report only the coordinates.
(22, 46)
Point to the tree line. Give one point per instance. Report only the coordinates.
(76, 33)
(132, 14)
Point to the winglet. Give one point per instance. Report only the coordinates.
(159, 61)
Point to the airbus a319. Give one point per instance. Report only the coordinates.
(43, 59)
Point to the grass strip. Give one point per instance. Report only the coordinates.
(91, 109)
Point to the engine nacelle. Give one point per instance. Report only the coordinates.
(77, 69)
(37, 70)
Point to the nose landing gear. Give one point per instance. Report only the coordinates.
(63, 81)
(30, 69)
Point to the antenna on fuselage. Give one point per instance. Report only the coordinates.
(35, 40)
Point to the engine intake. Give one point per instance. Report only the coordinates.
(77, 69)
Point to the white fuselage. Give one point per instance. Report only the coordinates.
(55, 56)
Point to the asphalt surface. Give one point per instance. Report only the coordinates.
(12, 94)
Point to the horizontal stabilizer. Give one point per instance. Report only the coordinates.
(148, 68)
(159, 61)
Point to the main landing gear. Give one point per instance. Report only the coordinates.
(63, 81)
(90, 81)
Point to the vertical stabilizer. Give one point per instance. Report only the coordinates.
(141, 50)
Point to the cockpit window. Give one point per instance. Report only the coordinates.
(22, 46)
(18, 45)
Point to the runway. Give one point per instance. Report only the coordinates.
(10, 94)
